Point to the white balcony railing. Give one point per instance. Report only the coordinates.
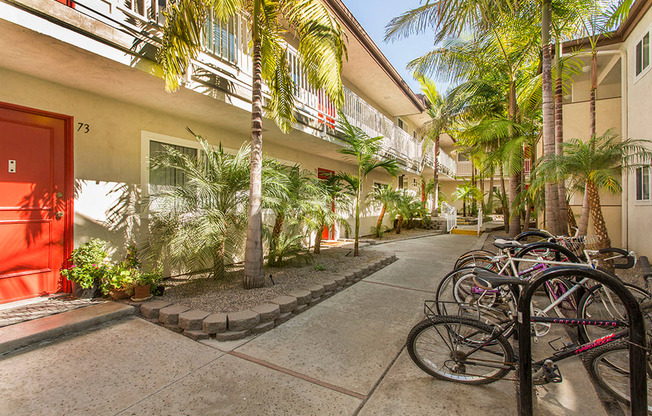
(226, 45)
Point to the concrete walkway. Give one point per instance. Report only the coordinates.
(344, 356)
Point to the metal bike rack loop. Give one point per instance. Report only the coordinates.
(637, 361)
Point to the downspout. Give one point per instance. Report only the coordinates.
(624, 134)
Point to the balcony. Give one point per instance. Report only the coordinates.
(225, 65)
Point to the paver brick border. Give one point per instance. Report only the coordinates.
(197, 324)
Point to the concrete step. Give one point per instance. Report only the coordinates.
(461, 231)
(21, 335)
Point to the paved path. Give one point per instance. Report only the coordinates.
(344, 356)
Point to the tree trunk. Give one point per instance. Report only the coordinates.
(596, 215)
(357, 219)
(571, 219)
(490, 199)
(515, 177)
(502, 200)
(464, 207)
(583, 225)
(254, 276)
(317, 248)
(526, 226)
(435, 190)
(551, 197)
(594, 87)
(276, 232)
(559, 140)
(219, 268)
(399, 223)
(380, 220)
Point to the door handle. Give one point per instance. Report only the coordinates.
(59, 215)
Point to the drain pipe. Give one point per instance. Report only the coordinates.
(624, 209)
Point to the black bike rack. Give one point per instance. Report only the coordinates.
(637, 345)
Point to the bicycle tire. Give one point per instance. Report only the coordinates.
(472, 253)
(532, 236)
(593, 305)
(485, 262)
(608, 365)
(498, 310)
(426, 343)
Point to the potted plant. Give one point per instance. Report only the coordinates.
(119, 282)
(87, 266)
(144, 282)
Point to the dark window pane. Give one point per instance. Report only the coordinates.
(167, 176)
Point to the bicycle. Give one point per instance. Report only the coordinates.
(465, 350)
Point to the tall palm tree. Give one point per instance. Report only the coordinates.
(442, 114)
(598, 163)
(385, 197)
(363, 151)
(321, 50)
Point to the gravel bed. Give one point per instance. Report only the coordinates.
(228, 295)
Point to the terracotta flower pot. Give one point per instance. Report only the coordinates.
(141, 292)
(118, 294)
(82, 293)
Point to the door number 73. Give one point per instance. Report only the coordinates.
(85, 128)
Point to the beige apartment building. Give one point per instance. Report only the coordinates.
(624, 104)
(83, 106)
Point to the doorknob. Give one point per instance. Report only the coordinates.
(59, 214)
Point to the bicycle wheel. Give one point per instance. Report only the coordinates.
(472, 253)
(556, 289)
(477, 260)
(459, 349)
(533, 236)
(601, 303)
(609, 366)
(457, 294)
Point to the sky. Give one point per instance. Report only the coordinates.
(374, 16)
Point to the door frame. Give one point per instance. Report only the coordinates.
(69, 181)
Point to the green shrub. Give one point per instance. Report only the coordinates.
(88, 264)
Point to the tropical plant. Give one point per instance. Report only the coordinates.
(405, 209)
(467, 192)
(88, 264)
(364, 152)
(326, 208)
(442, 111)
(598, 163)
(294, 201)
(320, 52)
(384, 197)
(200, 226)
(120, 276)
(290, 246)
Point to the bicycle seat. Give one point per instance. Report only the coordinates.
(504, 244)
(487, 279)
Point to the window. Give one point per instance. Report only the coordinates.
(643, 184)
(220, 38)
(462, 158)
(400, 123)
(400, 181)
(643, 54)
(166, 177)
(136, 6)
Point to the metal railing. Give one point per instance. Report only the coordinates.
(226, 46)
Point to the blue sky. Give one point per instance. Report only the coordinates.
(374, 16)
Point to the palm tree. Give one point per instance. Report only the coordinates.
(385, 197)
(298, 193)
(598, 163)
(441, 113)
(405, 208)
(467, 192)
(325, 207)
(364, 152)
(205, 209)
(321, 50)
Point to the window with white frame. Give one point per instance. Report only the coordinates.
(643, 184)
(643, 54)
(221, 38)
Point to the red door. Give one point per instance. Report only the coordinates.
(35, 201)
(326, 232)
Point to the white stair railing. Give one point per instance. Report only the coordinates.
(450, 213)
